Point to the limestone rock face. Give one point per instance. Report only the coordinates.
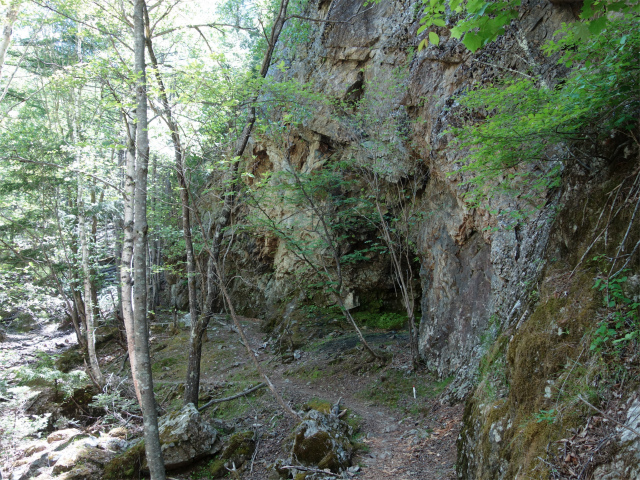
(470, 271)
(186, 436)
(321, 441)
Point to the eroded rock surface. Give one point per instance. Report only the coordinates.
(186, 436)
(68, 454)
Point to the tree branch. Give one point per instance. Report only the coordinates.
(232, 397)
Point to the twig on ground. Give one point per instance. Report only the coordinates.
(633, 430)
(307, 469)
(232, 397)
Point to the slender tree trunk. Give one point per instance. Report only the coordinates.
(88, 294)
(214, 277)
(84, 242)
(192, 383)
(142, 356)
(12, 15)
(126, 280)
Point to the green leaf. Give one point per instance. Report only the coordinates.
(434, 38)
(597, 25)
(472, 41)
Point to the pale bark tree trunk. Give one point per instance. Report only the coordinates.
(94, 366)
(142, 357)
(126, 280)
(12, 15)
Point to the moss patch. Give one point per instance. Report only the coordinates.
(127, 465)
(312, 450)
(323, 406)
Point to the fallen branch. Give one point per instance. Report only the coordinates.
(232, 397)
(307, 469)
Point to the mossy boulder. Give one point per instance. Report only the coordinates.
(240, 448)
(185, 438)
(127, 465)
(321, 441)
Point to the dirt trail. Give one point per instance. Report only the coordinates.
(398, 444)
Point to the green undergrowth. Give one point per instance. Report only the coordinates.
(382, 321)
(394, 388)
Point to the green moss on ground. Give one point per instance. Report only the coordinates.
(394, 388)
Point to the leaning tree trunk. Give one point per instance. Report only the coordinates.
(192, 383)
(141, 329)
(199, 327)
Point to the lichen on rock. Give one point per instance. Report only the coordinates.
(322, 441)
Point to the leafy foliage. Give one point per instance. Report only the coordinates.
(479, 22)
(44, 372)
(622, 322)
(519, 133)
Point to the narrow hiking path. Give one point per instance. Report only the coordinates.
(400, 437)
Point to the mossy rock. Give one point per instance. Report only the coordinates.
(78, 403)
(312, 450)
(128, 465)
(240, 448)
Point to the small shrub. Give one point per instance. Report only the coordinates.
(45, 373)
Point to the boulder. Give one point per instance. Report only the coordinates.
(186, 436)
(81, 453)
(68, 454)
(321, 440)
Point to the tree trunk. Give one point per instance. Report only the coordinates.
(214, 268)
(88, 294)
(126, 280)
(12, 15)
(96, 374)
(142, 357)
(192, 383)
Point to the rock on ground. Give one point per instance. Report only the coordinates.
(186, 436)
(321, 441)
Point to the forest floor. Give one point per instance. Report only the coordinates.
(397, 436)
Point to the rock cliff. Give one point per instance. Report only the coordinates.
(473, 267)
(501, 313)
